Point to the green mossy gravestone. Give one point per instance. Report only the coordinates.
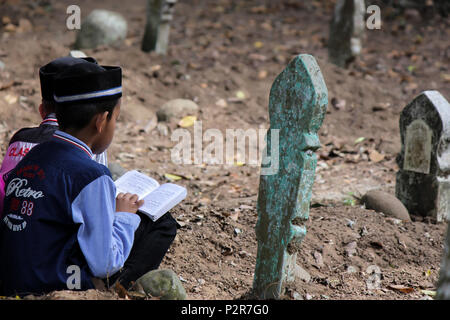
(297, 106)
(346, 31)
(157, 29)
(423, 181)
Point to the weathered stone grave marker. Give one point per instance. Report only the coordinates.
(101, 27)
(297, 106)
(423, 181)
(157, 29)
(346, 31)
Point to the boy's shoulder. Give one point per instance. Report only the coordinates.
(60, 169)
(33, 134)
(63, 159)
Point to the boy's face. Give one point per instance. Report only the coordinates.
(106, 135)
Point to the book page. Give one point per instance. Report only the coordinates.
(136, 183)
(162, 200)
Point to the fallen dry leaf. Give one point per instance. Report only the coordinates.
(258, 57)
(411, 86)
(129, 42)
(394, 54)
(258, 44)
(154, 68)
(11, 99)
(6, 20)
(121, 291)
(204, 201)
(445, 77)
(24, 25)
(375, 156)
(10, 28)
(259, 9)
(240, 94)
(6, 85)
(266, 26)
(360, 139)
(393, 74)
(430, 293)
(262, 74)
(187, 121)
(401, 288)
(381, 106)
(172, 177)
(221, 103)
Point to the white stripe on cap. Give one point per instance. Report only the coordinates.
(91, 95)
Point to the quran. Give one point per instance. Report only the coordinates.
(158, 199)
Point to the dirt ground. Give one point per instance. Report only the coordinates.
(221, 49)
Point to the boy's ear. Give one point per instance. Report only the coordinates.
(100, 121)
(41, 111)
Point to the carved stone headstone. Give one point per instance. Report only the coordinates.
(423, 181)
(297, 106)
(346, 31)
(157, 29)
(101, 27)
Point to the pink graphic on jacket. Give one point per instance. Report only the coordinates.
(14, 154)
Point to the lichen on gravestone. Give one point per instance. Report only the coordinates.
(297, 106)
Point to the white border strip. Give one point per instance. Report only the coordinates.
(91, 95)
(74, 143)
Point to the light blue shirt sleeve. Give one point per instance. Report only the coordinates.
(105, 236)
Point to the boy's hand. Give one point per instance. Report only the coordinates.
(127, 202)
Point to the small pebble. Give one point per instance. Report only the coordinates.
(351, 269)
(297, 296)
(350, 223)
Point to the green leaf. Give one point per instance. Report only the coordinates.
(360, 139)
(430, 293)
(172, 177)
(349, 202)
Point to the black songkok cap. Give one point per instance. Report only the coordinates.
(88, 82)
(48, 72)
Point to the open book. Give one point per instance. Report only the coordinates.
(158, 199)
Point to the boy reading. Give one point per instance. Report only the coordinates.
(60, 208)
(25, 139)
